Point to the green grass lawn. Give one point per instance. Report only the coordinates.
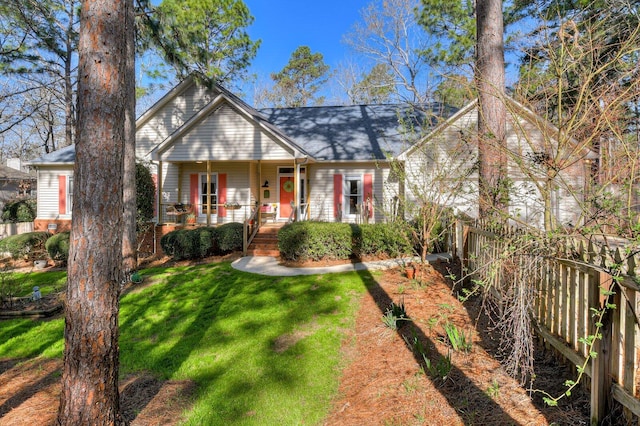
(262, 350)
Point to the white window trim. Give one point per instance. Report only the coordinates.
(203, 179)
(346, 193)
(69, 191)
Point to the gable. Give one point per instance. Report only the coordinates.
(225, 134)
(169, 114)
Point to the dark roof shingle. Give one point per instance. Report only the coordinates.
(358, 132)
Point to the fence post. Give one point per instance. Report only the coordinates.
(459, 239)
(601, 367)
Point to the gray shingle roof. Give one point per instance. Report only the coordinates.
(8, 173)
(64, 155)
(355, 133)
(334, 133)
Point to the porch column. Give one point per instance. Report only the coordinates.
(296, 191)
(209, 193)
(260, 193)
(180, 184)
(159, 201)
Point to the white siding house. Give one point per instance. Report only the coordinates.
(222, 158)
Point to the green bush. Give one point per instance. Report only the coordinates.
(145, 194)
(230, 237)
(381, 239)
(315, 241)
(58, 246)
(193, 243)
(23, 210)
(205, 241)
(30, 245)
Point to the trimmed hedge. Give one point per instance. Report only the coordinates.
(230, 237)
(331, 240)
(188, 243)
(200, 242)
(30, 245)
(315, 241)
(58, 246)
(381, 239)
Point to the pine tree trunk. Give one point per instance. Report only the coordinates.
(90, 374)
(490, 81)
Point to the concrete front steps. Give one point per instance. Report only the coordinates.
(265, 243)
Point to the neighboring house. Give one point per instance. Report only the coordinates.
(15, 184)
(213, 155)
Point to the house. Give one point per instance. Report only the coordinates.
(217, 158)
(15, 184)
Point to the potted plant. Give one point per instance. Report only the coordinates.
(410, 270)
(191, 218)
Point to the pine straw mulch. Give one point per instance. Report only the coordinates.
(383, 381)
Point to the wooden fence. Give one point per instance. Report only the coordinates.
(568, 288)
(8, 229)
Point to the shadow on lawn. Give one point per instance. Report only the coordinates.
(238, 300)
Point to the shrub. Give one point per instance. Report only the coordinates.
(58, 246)
(190, 243)
(145, 194)
(30, 245)
(23, 210)
(315, 241)
(390, 239)
(230, 237)
(204, 240)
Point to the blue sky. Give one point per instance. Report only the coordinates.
(284, 25)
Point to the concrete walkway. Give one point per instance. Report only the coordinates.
(266, 265)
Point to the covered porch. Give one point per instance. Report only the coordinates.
(215, 192)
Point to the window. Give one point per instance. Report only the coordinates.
(352, 194)
(210, 194)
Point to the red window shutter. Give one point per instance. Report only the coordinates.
(368, 192)
(62, 194)
(194, 191)
(337, 196)
(222, 194)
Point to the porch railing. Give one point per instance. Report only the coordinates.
(178, 212)
(301, 215)
(250, 229)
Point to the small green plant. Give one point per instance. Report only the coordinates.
(441, 369)
(493, 391)
(395, 315)
(415, 344)
(459, 341)
(9, 288)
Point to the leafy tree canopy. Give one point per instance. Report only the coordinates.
(376, 87)
(205, 36)
(297, 84)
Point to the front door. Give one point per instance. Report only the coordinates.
(287, 186)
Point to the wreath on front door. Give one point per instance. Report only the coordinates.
(287, 186)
